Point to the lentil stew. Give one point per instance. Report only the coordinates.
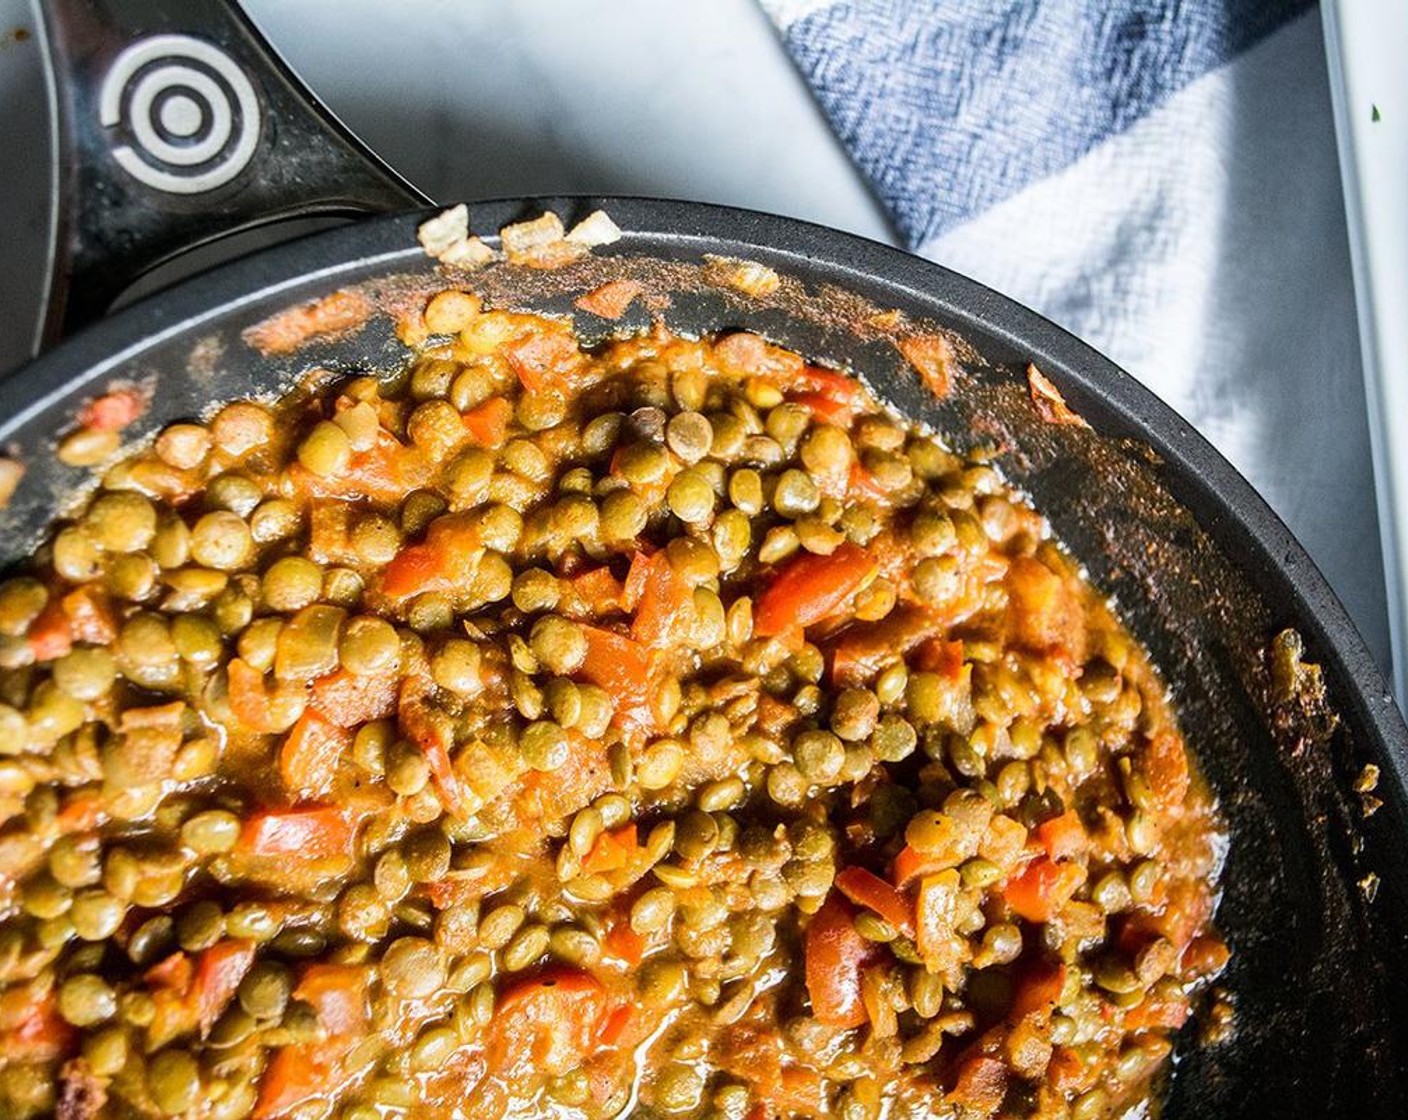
(665, 728)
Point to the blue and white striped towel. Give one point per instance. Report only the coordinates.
(1159, 177)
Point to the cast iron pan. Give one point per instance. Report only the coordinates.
(1316, 893)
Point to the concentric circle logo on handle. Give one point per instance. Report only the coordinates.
(189, 114)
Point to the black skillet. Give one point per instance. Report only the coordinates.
(1316, 899)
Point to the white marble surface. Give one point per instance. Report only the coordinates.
(481, 98)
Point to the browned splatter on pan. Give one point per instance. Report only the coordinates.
(1298, 691)
(1050, 405)
(205, 357)
(749, 277)
(341, 312)
(1365, 785)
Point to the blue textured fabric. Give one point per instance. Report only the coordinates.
(950, 106)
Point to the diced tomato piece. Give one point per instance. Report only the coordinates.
(935, 655)
(433, 733)
(1037, 993)
(174, 1010)
(936, 916)
(1063, 837)
(50, 634)
(1157, 1014)
(752, 1052)
(248, 698)
(612, 850)
(746, 354)
(310, 753)
(666, 602)
(636, 575)
(867, 889)
(338, 993)
(1043, 888)
(910, 864)
(599, 590)
(487, 423)
(347, 700)
(90, 616)
(835, 954)
(812, 587)
(383, 473)
(549, 1023)
(540, 357)
(1067, 1071)
(622, 667)
(862, 649)
(309, 832)
(827, 409)
(174, 973)
(294, 1074)
(41, 1033)
(443, 562)
(624, 944)
(413, 570)
(82, 811)
(218, 974)
(774, 716)
(833, 383)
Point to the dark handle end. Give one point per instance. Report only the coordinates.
(176, 124)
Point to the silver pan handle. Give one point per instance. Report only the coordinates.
(175, 125)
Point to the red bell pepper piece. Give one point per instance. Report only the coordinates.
(1043, 888)
(309, 832)
(550, 1023)
(218, 975)
(810, 588)
(432, 732)
(442, 562)
(599, 591)
(867, 889)
(662, 617)
(1063, 837)
(487, 423)
(347, 700)
(622, 667)
(338, 993)
(1037, 993)
(612, 850)
(310, 753)
(835, 954)
(50, 634)
(540, 357)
